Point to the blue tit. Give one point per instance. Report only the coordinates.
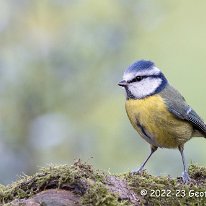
(158, 112)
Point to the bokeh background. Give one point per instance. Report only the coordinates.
(60, 61)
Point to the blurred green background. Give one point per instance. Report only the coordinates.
(60, 61)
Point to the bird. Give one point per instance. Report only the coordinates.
(158, 112)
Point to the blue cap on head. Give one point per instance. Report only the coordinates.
(140, 65)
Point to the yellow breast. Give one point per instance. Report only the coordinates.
(163, 128)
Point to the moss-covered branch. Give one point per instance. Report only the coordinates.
(80, 184)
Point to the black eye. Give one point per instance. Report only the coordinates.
(138, 79)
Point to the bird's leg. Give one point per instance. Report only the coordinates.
(185, 175)
(139, 170)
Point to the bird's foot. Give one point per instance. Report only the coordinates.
(185, 177)
(137, 171)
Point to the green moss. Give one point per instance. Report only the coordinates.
(169, 191)
(97, 188)
(99, 195)
(198, 173)
(2, 191)
(65, 177)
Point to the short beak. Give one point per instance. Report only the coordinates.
(122, 83)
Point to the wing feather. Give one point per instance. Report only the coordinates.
(177, 106)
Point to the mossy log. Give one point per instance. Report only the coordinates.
(80, 184)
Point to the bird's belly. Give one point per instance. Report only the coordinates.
(156, 124)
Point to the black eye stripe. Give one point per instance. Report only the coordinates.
(139, 78)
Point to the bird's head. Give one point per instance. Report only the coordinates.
(142, 79)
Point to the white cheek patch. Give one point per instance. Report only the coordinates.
(145, 87)
(148, 72)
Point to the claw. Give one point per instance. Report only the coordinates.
(185, 177)
(137, 171)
